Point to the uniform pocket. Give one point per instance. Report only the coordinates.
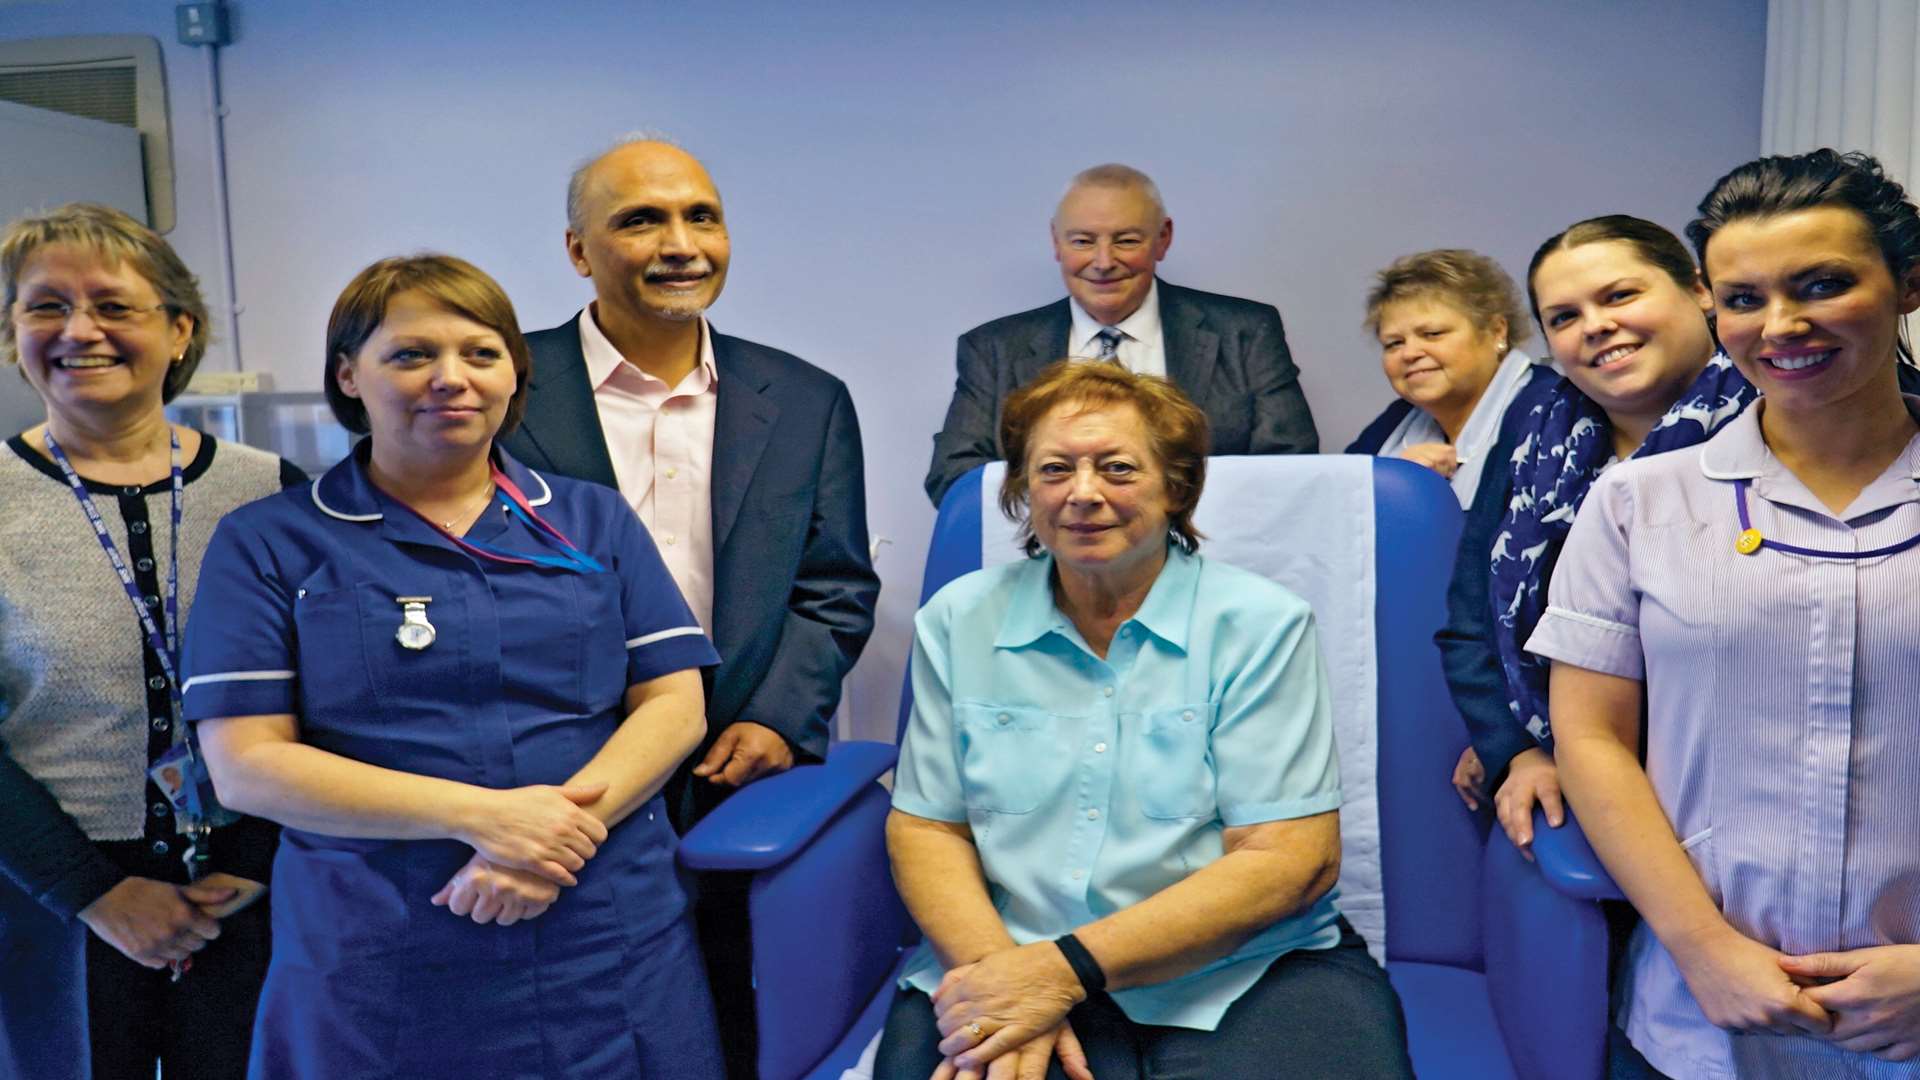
(1172, 772)
(603, 644)
(335, 684)
(1012, 758)
(413, 681)
(1699, 849)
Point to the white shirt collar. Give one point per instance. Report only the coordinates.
(1142, 325)
(603, 358)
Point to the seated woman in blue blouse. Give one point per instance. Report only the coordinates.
(459, 684)
(1115, 816)
(1448, 322)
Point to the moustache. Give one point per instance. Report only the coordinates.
(696, 268)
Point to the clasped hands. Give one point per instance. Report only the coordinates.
(1019, 997)
(155, 923)
(1863, 1000)
(527, 843)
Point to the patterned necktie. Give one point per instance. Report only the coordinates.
(1110, 340)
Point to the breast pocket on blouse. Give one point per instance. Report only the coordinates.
(1699, 850)
(330, 665)
(603, 644)
(417, 680)
(354, 672)
(1172, 771)
(1012, 758)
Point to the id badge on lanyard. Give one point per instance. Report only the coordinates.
(180, 772)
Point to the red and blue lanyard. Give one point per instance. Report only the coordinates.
(569, 557)
(1750, 541)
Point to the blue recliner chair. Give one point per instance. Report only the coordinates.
(1501, 974)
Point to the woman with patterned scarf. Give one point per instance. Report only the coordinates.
(1626, 318)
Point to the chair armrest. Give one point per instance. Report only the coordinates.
(1567, 861)
(769, 821)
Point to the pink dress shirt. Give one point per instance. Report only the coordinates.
(661, 440)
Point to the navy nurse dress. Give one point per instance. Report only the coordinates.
(523, 682)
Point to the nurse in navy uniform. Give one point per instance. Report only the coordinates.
(459, 684)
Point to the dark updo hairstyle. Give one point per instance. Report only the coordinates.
(1782, 184)
(456, 285)
(1652, 243)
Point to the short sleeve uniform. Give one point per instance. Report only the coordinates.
(1782, 738)
(297, 612)
(1091, 784)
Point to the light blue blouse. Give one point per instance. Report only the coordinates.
(1093, 784)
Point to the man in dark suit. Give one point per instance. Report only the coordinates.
(1229, 355)
(745, 464)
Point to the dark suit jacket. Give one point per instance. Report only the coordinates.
(794, 587)
(1229, 355)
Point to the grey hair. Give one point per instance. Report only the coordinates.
(1115, 175)
(577, 182)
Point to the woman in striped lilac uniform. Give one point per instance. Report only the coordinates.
(1757, 593)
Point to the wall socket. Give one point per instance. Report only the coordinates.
(202, 24)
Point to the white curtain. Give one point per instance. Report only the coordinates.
(1840, 73)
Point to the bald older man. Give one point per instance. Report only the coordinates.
(745, 464)
(1109, 234)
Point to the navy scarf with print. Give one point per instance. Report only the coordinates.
(1565, 443)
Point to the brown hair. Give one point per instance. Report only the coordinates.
(455, 284)
(1176, 428)
(1653, 244)
(116, 239)
(1463, 279)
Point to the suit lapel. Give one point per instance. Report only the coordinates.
(1193, 351)
(561, 422)
(743, 424)
(1047, 344)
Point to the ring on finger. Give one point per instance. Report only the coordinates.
(979, 1033)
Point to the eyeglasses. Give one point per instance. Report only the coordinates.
(54, 314)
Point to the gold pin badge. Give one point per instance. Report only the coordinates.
(1748, 542)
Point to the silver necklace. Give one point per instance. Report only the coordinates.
(470, 507)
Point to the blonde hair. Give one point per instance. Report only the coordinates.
(117, 239)
(1466, 280)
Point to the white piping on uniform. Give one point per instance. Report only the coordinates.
(331, 512)
(236, 676)
(662, 635)
(546, 491)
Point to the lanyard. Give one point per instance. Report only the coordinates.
(570, 557)
(1749, 542)
(166, 646)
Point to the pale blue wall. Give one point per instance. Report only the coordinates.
(889, 167)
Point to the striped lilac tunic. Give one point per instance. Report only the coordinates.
(1783, 734)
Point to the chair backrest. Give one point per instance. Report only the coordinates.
(953, 550)
(1423, 849)
(1430, 847)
